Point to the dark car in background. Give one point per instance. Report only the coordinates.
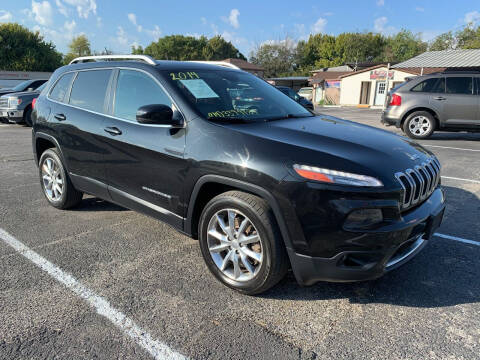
(28, 85)
(448, 101)
(293, 95)
(17, 107)
(262, 189)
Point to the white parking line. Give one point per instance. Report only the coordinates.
(460, 179)
(157, 349)
(451, 148)
(465, 241)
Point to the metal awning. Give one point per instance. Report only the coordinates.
(443, 59)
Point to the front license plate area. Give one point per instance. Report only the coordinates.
(433, 223)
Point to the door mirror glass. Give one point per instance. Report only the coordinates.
(158, 114)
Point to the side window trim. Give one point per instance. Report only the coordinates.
(114, 92)
(66, 99)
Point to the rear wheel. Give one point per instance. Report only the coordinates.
(56, 184)
(241, 244)
(419, 125)
(27, 117)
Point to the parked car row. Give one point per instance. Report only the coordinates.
(16, 103)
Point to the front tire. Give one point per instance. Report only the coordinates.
(241, 243)
(56, 184)
(419, 125)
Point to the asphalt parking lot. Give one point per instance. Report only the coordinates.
(103, 282)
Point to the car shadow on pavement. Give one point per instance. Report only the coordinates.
(454, 136)
(445, 273)
(97, 204)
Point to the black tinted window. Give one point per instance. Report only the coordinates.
(89, 89)
(61, 87)
(433, 85)
(36, 84)
(135, 89)
(460, 85)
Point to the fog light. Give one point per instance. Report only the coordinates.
(363, 218)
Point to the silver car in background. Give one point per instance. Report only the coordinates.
(448, 101)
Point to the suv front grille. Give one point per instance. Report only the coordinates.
(4, 103)
(418, 183)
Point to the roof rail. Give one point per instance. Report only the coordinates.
(219, 63)
(145, 58)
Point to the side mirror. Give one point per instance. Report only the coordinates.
(297, 97)
(159, 114)
(30, 89)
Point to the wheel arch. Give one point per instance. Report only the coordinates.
(43, 142)
(208, 186)
(429, 110)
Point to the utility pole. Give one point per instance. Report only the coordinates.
(386, 87)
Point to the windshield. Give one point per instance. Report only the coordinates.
(23, 85)
(234, 95)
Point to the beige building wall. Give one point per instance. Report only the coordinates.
(350, 87)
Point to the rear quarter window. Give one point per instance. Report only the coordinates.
(61, 87)
(433, 85)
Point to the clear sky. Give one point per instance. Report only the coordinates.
(117, 24)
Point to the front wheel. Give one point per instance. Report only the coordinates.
(419, 125)
(241, 244)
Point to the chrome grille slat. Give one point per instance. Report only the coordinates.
(419, 183)
(4, 103)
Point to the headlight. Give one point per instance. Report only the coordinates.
(335, 177)
(13, 102)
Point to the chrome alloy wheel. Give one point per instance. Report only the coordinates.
(235, 245)
(52, 179)
(419, 125)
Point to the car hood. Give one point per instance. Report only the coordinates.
(24, 94)
(344, 145)
(5, 91)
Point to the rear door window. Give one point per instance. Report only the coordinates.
(134, 90)
(61, 87)
(460, 85)
(433, 85)
(89, 90)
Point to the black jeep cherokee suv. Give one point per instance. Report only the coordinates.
(224, 157)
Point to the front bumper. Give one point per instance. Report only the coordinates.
(396, 243)
(12, 115)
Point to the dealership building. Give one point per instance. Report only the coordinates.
(9, 79)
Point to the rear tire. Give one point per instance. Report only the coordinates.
(419, 125)
(56, 184)
(27, 117)
(253, 255)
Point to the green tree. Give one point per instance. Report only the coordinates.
(466, 38)
(23, 50)
(277, 58)
(469, 37)
(180, 47)
(79, 46)
(444, 41)
(403, 46)
(219, 49)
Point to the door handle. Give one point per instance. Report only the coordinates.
(113, 131)
(60, 117)
(440, 98)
